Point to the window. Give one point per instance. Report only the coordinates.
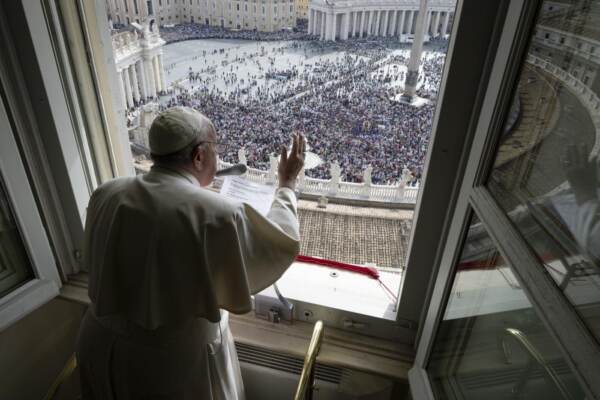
(517, 246)
(486, 297)
(133, 80)
(28, 272)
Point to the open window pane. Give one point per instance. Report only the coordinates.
(15, 267)
(546, 173)
(490, 343)
(338, 76)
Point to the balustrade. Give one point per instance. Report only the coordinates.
(335, 187)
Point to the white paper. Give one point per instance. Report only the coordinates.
(257, 195)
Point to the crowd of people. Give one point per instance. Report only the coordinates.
(343, 105)
(188, 31)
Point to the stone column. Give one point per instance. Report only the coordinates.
(362, 24)
(142, 78)
(122, 88)
(370, 24)
(412, 75)
(401, 31)
(161, 71)
(150, 77)
(445, 23)
(428, 25)
(323, 26)
(331, 26)
(345, 26)
(354, 24)
(394, 23)
(310, 21)
(436, 24)
(159, 87)
(386, 20)
(134, 82)
(127, 84)
(413, 16)
(319, 27)
(378, 24)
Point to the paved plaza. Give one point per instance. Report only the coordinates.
(338, 94)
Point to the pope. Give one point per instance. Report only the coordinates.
(167, 259)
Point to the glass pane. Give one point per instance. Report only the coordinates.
(490, 343)
(15, 268)
(545, 174)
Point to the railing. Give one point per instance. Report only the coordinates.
(307, 378)
(399, 193)
(534, 355)
(583, 93)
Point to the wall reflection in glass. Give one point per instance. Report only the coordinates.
(490, 343)
(15, 268)
(546, 169)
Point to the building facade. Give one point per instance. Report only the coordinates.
(302, 9)
(343, 20)
(139, 61)
(124, 12)
(261, 15)
(577, 53)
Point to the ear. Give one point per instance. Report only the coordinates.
(199, 155)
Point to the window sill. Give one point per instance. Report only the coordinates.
(340, 348)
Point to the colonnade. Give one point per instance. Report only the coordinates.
(332, 24)
(142, 79)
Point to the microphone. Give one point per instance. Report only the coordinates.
(235, 170)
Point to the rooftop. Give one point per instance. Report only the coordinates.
(355, 235)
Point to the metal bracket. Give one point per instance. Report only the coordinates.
(274, 309)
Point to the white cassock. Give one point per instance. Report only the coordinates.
(166, 257)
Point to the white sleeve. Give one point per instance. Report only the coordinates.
(587, 227)
(284, 212)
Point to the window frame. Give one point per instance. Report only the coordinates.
(577, 344)
(46, 282)
(450, 140)
(411, 300)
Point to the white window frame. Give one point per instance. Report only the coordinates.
(444, 165)
(578, 346)
(405, 327)
(46, 282)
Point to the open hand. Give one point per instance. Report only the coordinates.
(291, 165)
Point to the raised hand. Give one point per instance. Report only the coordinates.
(291, 165)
